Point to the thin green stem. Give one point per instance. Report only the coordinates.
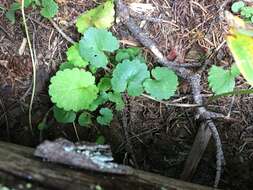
(235, 92)
(33, 64)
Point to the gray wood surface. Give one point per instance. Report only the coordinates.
(19, 161)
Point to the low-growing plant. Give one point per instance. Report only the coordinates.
(48, 8)
(240, 42)
(98, 73)
(245, 11)
(221, 80)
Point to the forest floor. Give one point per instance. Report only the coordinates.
(161, 136)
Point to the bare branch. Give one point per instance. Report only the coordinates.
(193, 79)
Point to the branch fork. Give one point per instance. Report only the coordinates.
(194, 79)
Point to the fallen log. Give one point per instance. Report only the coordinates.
(20, 162)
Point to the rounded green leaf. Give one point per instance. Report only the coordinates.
(164, 84)
(220, 80)
(63, 116)
(127, 53)
(73, 89)
(84, 119)
(66, 65)
(236, 7)
(117, 99)
(93, 45)
(129, 75)
(100, 39)
(95, 57)
(106, 116)
(104, 84)
(49, 8)
(10, 14)
(101, 99)
(74, 57)
(247, 12)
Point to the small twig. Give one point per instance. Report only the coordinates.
(188, 65)
(172, 104)
(152, 19)
(5, 32)
(75, 129)
(231, 106)
(6, 119)
(61, 32)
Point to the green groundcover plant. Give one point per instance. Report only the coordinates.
(89, 87)
(98, 73)
(48, 8)
(246, 12)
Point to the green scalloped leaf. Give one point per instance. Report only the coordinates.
(66, 65)
(106, 116)
(129, 75)
(49, 8)
(247, 12)
(84, 119)
(127, 53)
(102, 98)
(104, 84)
(93, 45)
(73, 89)
(164, 84)
(63, 116)
(220, 80)
(237, 6)
(74, 57)
(116, 97)
(10, 14)
(99, 17)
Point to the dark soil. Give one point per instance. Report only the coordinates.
(161, 136)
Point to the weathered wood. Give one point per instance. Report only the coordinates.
(11, 182)
(20, 162)
(199, 146)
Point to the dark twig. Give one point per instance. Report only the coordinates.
(193, 79)
(6, 119)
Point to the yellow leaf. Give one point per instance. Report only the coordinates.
(99, 17)
(240, 43)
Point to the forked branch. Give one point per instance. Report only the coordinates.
(194, 79)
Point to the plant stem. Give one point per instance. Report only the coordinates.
(77, 136)
(235, 92)
(33, 65)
